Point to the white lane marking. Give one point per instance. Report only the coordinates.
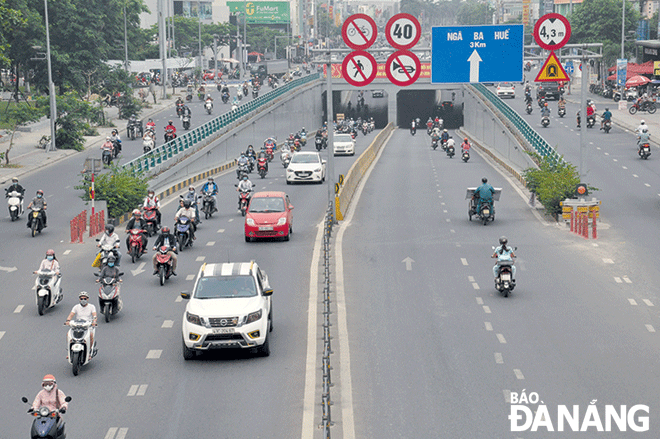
(154, 354)
(178, 299)
(458, 245)
(18, 309)
(501, 338)
(486, 309)
(480, 301)
(648, 302)
(519, 374)
(121, 434)
(607, 153)
(452, 230)
(231, 219)
(650, 328)
(608, 261)
(200, 258)
(221, 231)
(210, 243)
(111, 433)
(475, 286)
(635, 175)
(464, 261)
(448, 220)
(627, 280)
(498, 358)
(624, 167)
(2, 333)
(270, 182)
(507, 395)
(647, 185)
(439, 190)
(489, 326)
(66, 252)
(442, 204)
(133, 390)
(470, 278)
(617, 280)
(614, 160)
(598, 147)
(439, 196)
(167, 324)
(594, 244)
(190, 277)
(633, 302)
(142, 390)
(444, 210)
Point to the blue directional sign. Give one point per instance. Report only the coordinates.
(477, 54)
(569, 66)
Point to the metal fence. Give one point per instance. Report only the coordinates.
(537, 142)
(326, 419)
(172, 149)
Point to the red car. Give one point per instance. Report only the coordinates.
(269, 215)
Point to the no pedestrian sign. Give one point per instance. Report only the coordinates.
(359, 68)
(359, 31)
(403, 68)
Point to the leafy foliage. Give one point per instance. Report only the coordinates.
(73, 120)
(19, 115)
(474, 13)
(552, 183)
(119, 188)
(11, 20)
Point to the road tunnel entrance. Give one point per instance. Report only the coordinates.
(359, 103)
(446, 104)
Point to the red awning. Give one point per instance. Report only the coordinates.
(637, 69)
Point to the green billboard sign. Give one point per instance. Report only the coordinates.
(272, 12)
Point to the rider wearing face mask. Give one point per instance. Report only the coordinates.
(109, 270)
(40, 202)
(50, 396)
(84, 311)
(15, 187)
(50, 263)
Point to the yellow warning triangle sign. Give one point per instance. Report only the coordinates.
(552, 70)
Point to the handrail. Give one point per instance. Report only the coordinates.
(173, 148)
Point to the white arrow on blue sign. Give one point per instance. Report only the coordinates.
(477, 54)
(569, 67)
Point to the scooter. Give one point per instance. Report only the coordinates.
(241, 170)
(644, 151)
(319, 143)
(255, 92)
(110, 302)
(245, 90)
(239, 94)
(561, 111)
(286, 157)
(591, 120)
(244, 197)
(37, 223)
(15, 203)
(186, 121)
(135, 248)
(466, 155)
(208, 204)
(47, 424)
(163, 264)
(209, 106)
(450, 151)
(106, 251)
(434, 144)
(528, 109)
(413, 130)
(183, 233)
(607, 126)
(504, 282)
(48, 286)
(151, 219)
(270, 153)
(147, 144)
(225, 97)
(261, 167)
(545, 121)
(169, 135)
(78, 340)
(106, 157)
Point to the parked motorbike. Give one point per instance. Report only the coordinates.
(47, 424)
(209, 106)
(37, 223)
(607, 126)
(186, 122)
(545, 121)
(261, 167)
(78, 341)
(644, 151)
(207, 204)
(163, 264)
(135, 248)
(110, 302)
(183, 232)
(152, 220)
(465, 155)
(15, 204)
(48, 287)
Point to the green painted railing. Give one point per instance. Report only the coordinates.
(172, 149)
(539, 144)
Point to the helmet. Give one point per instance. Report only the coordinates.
(210, 178)
(50, 252)
(642, 122)
(546, 104)
(151, 120)
(49, 379)
(191, 188)
(186, 204)
(607, 109)
(250, 146)
(445, 130)
(169, 122)
(83, 294)
(111, 258)
(208, 95)
(136, 212)
(107, 138)
(109, 228)
(465, 140)
(484, 180)
(165, 230)
(150, 191)
(115, 132)
(14, 179)
(40, 192)
(503, 240)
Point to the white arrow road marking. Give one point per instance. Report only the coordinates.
(408, 261)
(8, 269)
(474, 61)
(139, 269)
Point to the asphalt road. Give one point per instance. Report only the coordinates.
(225, 395)
(435, 350)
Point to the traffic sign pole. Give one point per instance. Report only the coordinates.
(330, 171)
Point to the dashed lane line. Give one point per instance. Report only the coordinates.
(633, 302)
(120, 433)
(650, 328)
(66, 252)
(2, 334)
(470, 278)
(486, 309)
(464, 261)
(475, 286)
(519, 374)
(154, 354)
(178, 298)
(489, 326)
(221, 231)
(137, 390)
(200, 258)
(608, 261)
(167, 324)
(648, 302)
(210, 243)
(18, 309)
(501, 338)
(480, 301)
(498, 358)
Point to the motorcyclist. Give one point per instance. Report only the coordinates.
(234, 103)
(435, 134)
(429, 123)
(225, 88)
(562, 103)
(641, 126)
(151, 125)
(483, 193)
(188, 211)
(50, 396)
(14, 186)
(545, 111)
(150, 201)
(49, 263)
(137, 222)
(450, 143)
(244, 185)
(242, 160)
(108, 145)
(168, 127)
(445, 135)
(191, 196)
(504, 253)
(607, 115)
(84, 311)
(109, 270)
(437, 122)
(167, 239)
(263, 154)
(149, 135)
(186, 111)
(590, 111)
(209, 99)
(465, 146)
(114, 138)
(211, 188)
(179, 101)
(201, 90)
(110, 238)
(413, 125)
(38, 202)
(528, 97)
(251, 155)
(643, 137)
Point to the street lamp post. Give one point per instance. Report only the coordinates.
(125, 41)
(244, 58)
(199, 33)
(51, 86)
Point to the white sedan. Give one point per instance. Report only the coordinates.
(343, 144)
(306, 166)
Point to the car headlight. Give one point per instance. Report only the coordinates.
(317, 170)
(289, 170)
(281, 221)
(194, 319)
(253, 317)
(249, 222)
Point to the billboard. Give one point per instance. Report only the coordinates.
(269, 12)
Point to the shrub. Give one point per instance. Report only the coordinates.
(121, 190)
(552, 183)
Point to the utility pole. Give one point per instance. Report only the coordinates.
(330, 122)
(163, 50)
(125, 41)
(51, 85)
(199, 35)
(583, 111)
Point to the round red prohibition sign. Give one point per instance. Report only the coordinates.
(403, 68)
(359, 31)
(359, 68)
(403, 31)
(552, 31)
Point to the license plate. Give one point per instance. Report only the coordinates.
(506, 277)
(224, 330)
(265, 228)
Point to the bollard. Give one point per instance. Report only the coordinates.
(594, 235)
(585, 225)
(572, 221)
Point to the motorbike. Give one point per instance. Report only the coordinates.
(106, 251)
(135, 248)
(607, 126)
(591, 120)
(241, 170)
(545, 121)
(644, 151)
(116, 148)
(261, 167)
(286, 157)
(443, 144)
(200, 96)
(110, 302)
(465, 155)
(372, 126)
(48, 286)
(269, 152)
(47, 423)
(450, 151)
(78, 340)
(319, 143)
(239, 94)
(296, 145)
(152, 220)
(225, 97)
(561, 111)
(163, 264)
(169, 135)
(134, 129)
(207, 204)
(15, 203)
(189, 97)
(186, 122)
(183, 233)
(644, 106)
(147, 144)
(245, 90)
(486, 212)
(434, 144)
(37, 223)
(209, 107)
(244, 197)
(179, 109)
(365, 129)
(528, 109)
(504, 282)
(255, 92)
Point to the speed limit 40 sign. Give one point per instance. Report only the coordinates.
(552, 31)
(403, 31)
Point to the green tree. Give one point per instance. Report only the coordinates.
(552, 183)
(599, 21)
(19, 115)
(473, 13)
(432, 13)
(73, 120)
(11, 20)
(122, 191)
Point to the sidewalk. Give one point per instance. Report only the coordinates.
(27, 157)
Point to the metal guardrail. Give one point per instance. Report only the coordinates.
(172, 149)
(539, 144)
(326, 418)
